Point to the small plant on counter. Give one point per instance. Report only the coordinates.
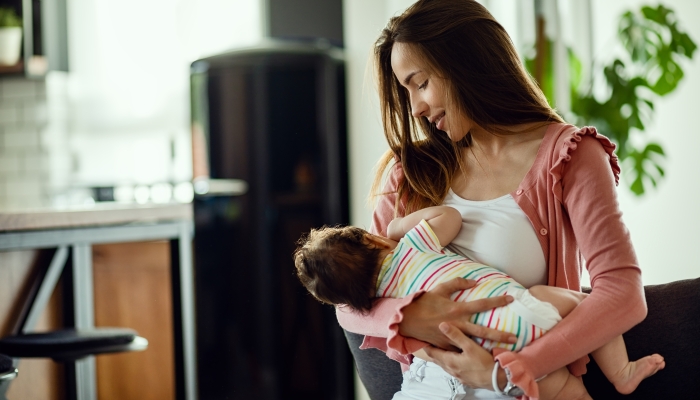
(9, 18)
(10, 36)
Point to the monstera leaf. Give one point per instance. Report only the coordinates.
(651, 68)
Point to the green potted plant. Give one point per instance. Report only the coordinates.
(10, 36)
(656, 47)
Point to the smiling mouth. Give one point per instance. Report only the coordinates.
(439, 121)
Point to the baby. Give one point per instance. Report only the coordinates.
(350, 266)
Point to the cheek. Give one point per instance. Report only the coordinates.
(457, 128)
(435, 98)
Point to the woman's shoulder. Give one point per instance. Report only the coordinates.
(394, 176)
(564, 141)
(563, 144)
(565, 138)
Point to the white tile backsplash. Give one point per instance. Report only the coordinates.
(45, 152)
(24, 167)
(34, 111)
(9, 112)
(16, 138)
(9, 163)
(33, 163)
(21, 88)
(25, 186)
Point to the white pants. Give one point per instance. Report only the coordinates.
(425, 380)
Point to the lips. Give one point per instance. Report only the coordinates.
(439, 121)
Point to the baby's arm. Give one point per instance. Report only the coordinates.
(445, 222)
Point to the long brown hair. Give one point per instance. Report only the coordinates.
(458, 41)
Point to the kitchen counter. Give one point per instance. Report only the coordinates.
(74, 230)
(108, 213)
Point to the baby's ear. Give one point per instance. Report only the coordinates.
(375, 242)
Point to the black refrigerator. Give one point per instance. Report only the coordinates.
(270, 162)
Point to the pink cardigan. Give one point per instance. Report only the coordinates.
(569, 197)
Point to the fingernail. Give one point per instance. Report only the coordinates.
(443, 327)
(509, 298)
(512, 339)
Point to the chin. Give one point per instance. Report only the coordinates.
(455, 138)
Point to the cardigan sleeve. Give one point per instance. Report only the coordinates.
(384, 211)
(587, 169)
(380, 326)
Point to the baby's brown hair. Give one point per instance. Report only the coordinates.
(338, 265)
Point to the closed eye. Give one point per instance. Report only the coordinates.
(424, 85)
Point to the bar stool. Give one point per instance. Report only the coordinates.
(8, 372)
(71, 346)
(65, 346)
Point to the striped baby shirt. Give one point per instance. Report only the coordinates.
(419, 262)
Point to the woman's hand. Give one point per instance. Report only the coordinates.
(423, 316)
(472, 365)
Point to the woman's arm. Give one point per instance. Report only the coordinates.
(616, 303)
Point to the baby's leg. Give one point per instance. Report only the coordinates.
(612, 357)
(625, 375)
(563, 299)
(561, 385)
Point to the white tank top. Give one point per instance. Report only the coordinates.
(498, 233)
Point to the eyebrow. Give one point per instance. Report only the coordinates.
(407, 80)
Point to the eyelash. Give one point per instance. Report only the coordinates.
(423, 86)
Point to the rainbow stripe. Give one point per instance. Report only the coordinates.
(419, 262)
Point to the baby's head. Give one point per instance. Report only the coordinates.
(339, 265)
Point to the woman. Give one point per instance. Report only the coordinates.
(468, 128)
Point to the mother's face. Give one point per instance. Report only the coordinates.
(428, 93)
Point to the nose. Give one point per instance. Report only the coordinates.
(419, 108)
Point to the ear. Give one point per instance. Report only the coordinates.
(377, 242)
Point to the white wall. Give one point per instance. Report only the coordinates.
(129, 81)
(363, 21)
(665, 223)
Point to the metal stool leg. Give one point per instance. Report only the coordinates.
(8, 372)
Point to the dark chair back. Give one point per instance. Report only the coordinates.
(671, 329)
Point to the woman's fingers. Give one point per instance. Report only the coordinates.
(448, 288)
(456, 336)
(462, 312)
(481, 305)
(472, 366)
(478, 331)
(424, 314)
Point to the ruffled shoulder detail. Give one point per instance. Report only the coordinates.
(395, 341)
(522, 378)
(568, 143)
(519, 375)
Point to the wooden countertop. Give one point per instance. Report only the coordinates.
(108, 213)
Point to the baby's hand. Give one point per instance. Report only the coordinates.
(394, 230)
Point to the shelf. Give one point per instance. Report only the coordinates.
(12, 69)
